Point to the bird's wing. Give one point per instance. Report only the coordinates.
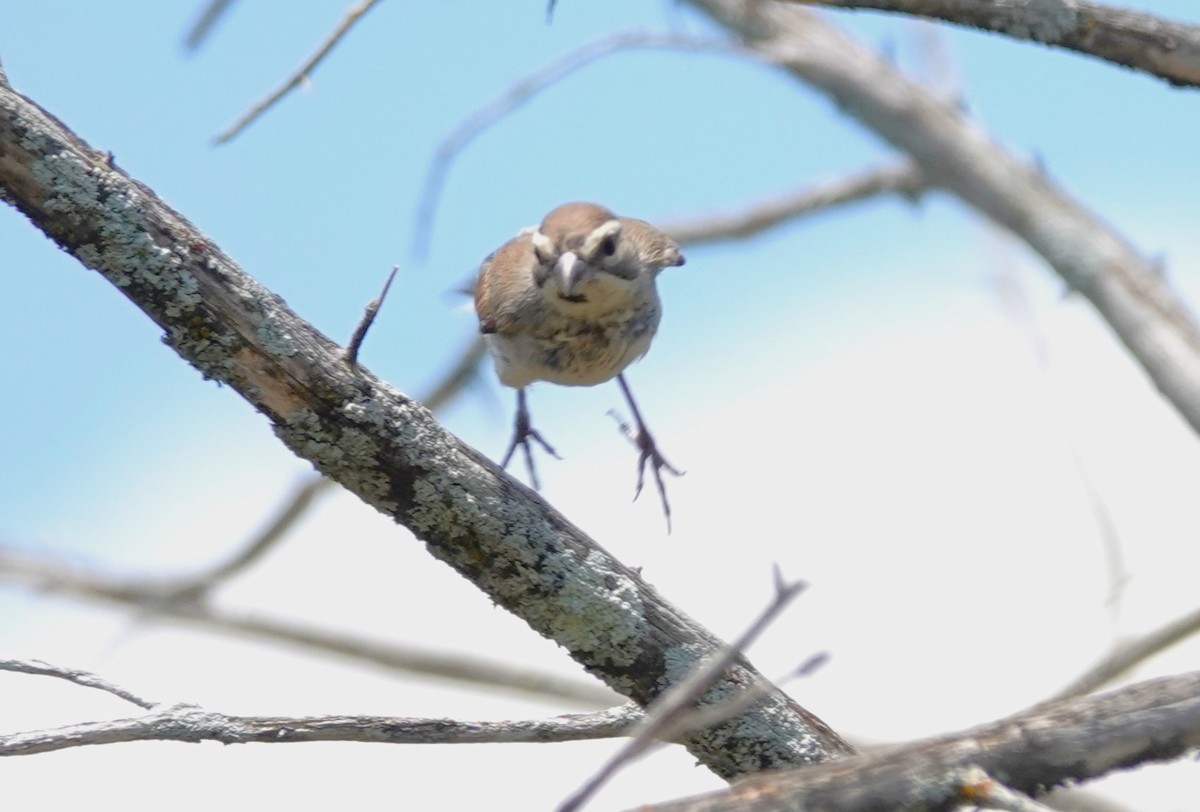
(500, 283)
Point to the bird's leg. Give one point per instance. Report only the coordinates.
(522, 434)
(647, 452)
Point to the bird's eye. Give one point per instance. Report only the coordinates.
(609, 246)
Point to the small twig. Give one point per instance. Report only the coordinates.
(157, 591)
(50, 574)
(372, 309)
(294, 508)
(1110, 537)
(355, 14)
(518, 94)
(463, 372)
(212, 14)
(1131, 652)
(709, 715)
(85, 678)
(903, 179)
(669, 716)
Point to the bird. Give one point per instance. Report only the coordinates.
(573, 302)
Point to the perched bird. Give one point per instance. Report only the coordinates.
(573, 302)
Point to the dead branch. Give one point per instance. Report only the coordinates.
(1074, 740)
(902, 179)
(53, 575)
(213, 11)
(301, 75)
(189, 723)
(1129, 653)
(1164, 48)
(518, 94)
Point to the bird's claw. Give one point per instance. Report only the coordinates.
(648, 453)
(523, 432)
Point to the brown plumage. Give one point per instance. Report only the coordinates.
(574, 302)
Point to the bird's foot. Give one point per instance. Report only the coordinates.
(648, 453)
(523, 432)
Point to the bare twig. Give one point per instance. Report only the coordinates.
(461, 373)
(368, 318)
(209, 17)
(295, 507)
(1074, 740)
(708, 715)
(85, 678)
(1128, 654)
(1135, 39)
(189, 723)
(520, 92)
(153, 592)
(903, 179)
(1016, 302)
(1110, 537)
(50, 574)
(671, 715)
(298, 78)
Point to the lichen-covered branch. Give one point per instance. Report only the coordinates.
(957, 155)
(382, 445)
(1047, 746)
(1135, 39)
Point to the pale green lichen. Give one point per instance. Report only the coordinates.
(110, 212)
(275, 340)
(680, 661)
(599, 609)
(348, 455)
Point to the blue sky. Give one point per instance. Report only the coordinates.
(850, 395)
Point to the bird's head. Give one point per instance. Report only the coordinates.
(588, 259)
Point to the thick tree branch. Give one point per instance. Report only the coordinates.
(383, 446)
(956, 154)
(1074, 740)
(673, 713)
(1135, 39)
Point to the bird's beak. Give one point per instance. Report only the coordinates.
(566, 272)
